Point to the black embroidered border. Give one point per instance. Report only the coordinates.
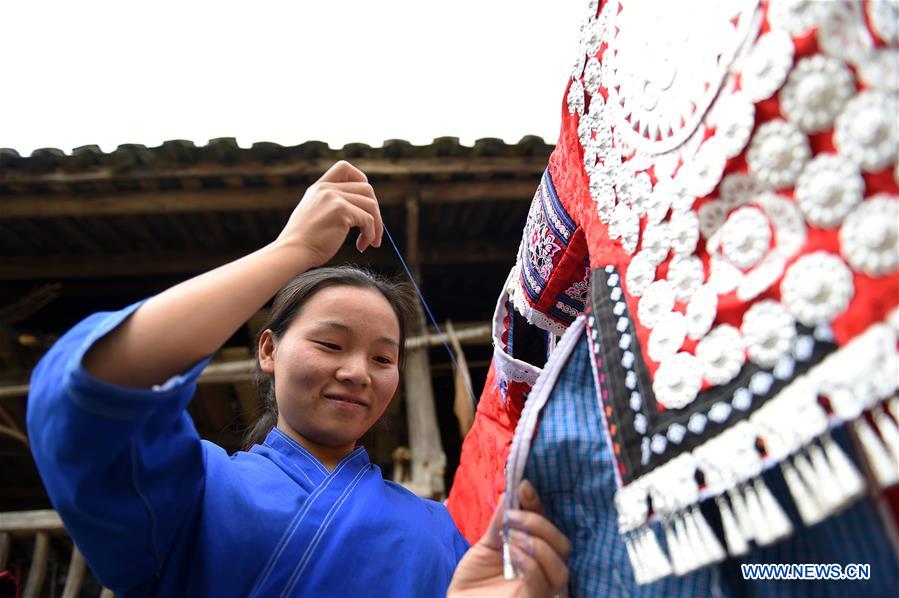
(609, 346)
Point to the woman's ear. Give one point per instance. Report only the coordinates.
(267, 352)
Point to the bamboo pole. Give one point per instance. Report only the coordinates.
(75, 576)
(38, 570)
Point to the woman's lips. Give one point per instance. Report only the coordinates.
(346, 400)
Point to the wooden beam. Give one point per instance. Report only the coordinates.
(14, 390)
(246, 199)
(160, 202)
(412, 221)
(25, 523)
(137, 264)
(428, 457)
(311, 169)
(114, 265)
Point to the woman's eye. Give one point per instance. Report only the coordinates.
(384, 360)
(328, 345)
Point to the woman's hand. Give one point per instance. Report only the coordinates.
(340, 200)
(538, 548)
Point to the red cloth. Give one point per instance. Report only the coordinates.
(479, 480)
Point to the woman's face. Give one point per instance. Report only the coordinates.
(335, 366)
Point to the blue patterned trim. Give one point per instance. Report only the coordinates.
(546, 236)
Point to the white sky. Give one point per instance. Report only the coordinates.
(111, 72)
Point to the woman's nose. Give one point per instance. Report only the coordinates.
(354, 370)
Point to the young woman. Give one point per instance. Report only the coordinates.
(157, 511)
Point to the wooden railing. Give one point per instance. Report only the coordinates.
(41, 525)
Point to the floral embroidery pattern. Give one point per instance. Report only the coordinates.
(547, 235)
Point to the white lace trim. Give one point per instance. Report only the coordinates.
(507, 366)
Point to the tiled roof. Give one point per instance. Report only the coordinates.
(225, 151)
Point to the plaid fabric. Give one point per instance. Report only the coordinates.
(572, 469)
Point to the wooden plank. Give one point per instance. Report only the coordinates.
(167, 202)
(75, 576)
(115, 264)
(412, 222)
(30, 522)
(231, 200)
(13, 390)
(38, 570)
(428, 458)
(143, 263)
(311, 168)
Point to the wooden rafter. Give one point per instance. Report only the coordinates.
(515, 166)
(179, 262)
(389, 192)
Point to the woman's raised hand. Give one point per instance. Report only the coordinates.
(538, 551)
(340, 200)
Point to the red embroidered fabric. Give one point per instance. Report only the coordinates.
(626, 163)
(479, 481)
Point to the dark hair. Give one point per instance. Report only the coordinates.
(286, 307)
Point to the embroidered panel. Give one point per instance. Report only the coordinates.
(649, 421)
(549, 283)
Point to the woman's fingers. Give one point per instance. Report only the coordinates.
(362, 219)
(491, 537)
(552, 566)
(370, 206)
(539, 526)
(350, 187)
(343, 172)
(528, 498)
(531, 572)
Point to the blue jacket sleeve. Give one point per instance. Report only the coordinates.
(123, 467)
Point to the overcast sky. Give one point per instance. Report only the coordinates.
(111, 72)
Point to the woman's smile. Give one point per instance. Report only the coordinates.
(347, 401)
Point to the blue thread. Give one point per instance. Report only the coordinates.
(428, 310)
